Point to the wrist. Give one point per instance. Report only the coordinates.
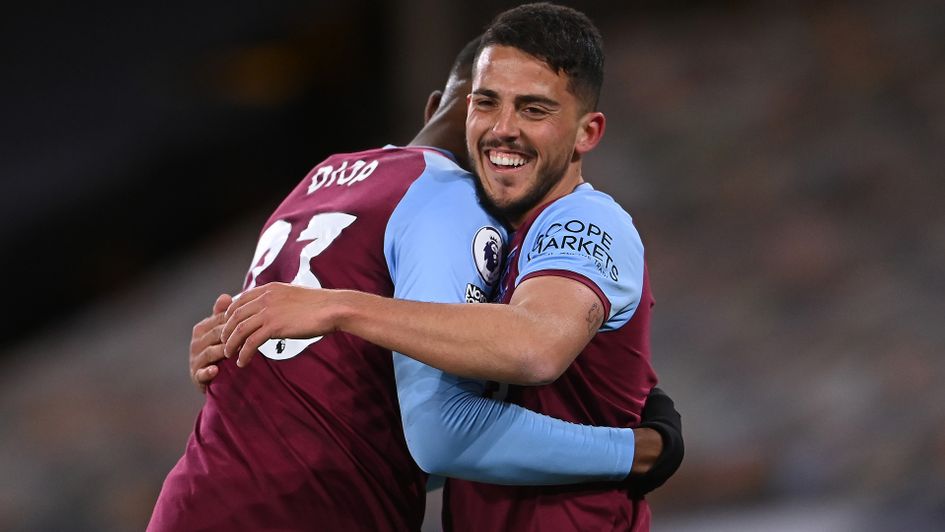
(648, 444)
(345, 309)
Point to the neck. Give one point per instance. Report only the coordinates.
(446, 130)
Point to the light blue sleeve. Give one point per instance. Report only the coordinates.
(436, 250)
(587, 236)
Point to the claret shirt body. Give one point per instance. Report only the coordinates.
(309, 435)
(587, 237)
(326, 433)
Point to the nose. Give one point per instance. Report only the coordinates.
(506, 124)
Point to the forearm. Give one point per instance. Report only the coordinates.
(496, 342)
(535, 450)
(452, 430)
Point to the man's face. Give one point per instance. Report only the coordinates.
(521, 129)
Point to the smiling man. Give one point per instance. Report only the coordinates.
(575, 287)
(310, 434)
(527, 131)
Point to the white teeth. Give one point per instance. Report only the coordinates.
(505, 159)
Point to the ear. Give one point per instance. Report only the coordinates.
(590, 132)
(433, 103)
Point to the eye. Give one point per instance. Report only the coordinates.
(484, 103)
(534, 112)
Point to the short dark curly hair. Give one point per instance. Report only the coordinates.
(562, 37)
(463, 62)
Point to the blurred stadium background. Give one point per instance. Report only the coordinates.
(783, 161)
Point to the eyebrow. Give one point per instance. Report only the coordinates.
(524, 99)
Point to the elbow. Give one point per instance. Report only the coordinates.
(431, 460)
(541, 354)
(541, 366)
(431, 447)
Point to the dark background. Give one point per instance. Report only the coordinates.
(134, 130)
(783, 161)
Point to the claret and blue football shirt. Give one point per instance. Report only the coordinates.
(587, 237)
(309, 435)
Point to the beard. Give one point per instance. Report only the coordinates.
(546, 178)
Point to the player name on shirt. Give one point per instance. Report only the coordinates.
(327, 175)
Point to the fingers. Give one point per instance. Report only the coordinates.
(235, 316)
(222, 302)
(250, 346)
(235, 329)
(203, 367)
(207, 356)
(205, 351)
(248, 324)
(213, 335)
(205, 345)
(239, 335)
(203, 377)
(205, 325)
(219, 306)
(246, 298)
(201, 340)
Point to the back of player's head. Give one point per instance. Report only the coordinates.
(444, 116)
(562, 37)
(462, 65)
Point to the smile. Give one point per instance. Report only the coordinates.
(506, 160)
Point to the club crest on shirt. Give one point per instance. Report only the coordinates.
(487, 253)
